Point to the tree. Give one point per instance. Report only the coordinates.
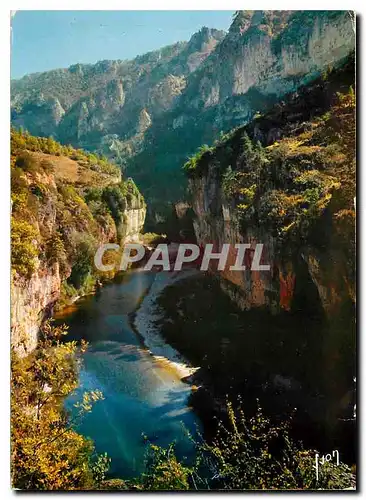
(47, 454)
(23, 247)
(164, 472)
(247, 147)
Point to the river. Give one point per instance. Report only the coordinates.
(140, 375)
(143, 394)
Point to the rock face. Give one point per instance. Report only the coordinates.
(134, 219)
(313, 272)
(33, 297)
(217, 223)
(84, 104)
(265, 55)
(31, 302)
(317, 269)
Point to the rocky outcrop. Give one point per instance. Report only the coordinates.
(277, 55)
(85, 103)
(315, 268)
(217, 223)
(31, 302)
(64, 226)
(134, 219)
(265, 56)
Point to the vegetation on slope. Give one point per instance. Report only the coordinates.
(287, 186)
(21, 141)
(56, 220)
(47, 453)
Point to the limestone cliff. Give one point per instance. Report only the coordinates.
(87, 105)
(150, 113)
(295, 196)
(61, 212)
(265, 56)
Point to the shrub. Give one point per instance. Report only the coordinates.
(18, 180)
(23, 247)
(27, 162)
(163, 471)
(55, 251)
(195, 161)
(114, 198)
(253, 453)
(84, 247)
(47, 454)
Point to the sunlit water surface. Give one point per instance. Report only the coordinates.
(143, 396)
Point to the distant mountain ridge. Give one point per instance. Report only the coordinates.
(86, 103)
(153, 112)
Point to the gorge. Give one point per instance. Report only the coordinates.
(270, 105)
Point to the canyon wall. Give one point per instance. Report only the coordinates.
(264, 56)
(325, 271)
(153, 111)
(33, 299)
(311, 257)
(61, 213)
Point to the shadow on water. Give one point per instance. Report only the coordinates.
(141, 396)
(296, 359)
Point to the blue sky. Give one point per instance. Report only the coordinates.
(43, 40)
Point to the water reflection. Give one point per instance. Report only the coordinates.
(143, 396)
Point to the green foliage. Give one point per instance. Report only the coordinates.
(247, 453)
(47, 454)
(24, 250)
(84, 247)
(100, 467)
(93, 194)
(115, 200)
(288, 186)
(55, 251)
(229, 181)
(67, 295)
(71, 220)
(21, 141)
(18, 180)
(194, 161)
(253, 453)
(132, 193)
(152, 238)
(163, 471)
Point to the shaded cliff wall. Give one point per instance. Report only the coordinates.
(216, 222)
(319, 274)
(296, 197)
(61, 213)
(263, 57)
(311, 255)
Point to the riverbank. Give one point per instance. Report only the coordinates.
(279, 360)
(149, 314)
(144, 399)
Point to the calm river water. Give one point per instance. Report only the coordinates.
(143, 395)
